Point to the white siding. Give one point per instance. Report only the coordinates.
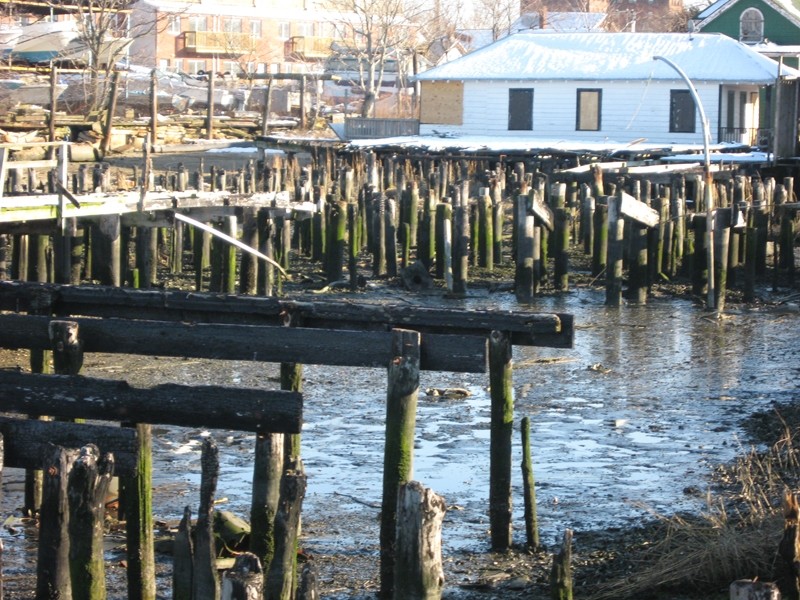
(630, 111)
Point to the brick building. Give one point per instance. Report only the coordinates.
(260, 36)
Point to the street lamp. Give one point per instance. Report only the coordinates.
(709, 197)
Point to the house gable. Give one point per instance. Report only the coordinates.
(780, 25)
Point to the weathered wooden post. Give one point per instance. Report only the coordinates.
(426, 236)
(502, 421)
(108, 250)
(52, 565)
(700, 257)
(485, 231)
(248, 272)
(616, 228)
(529, 487)
(525, 253)
(638, 264)
(444, 213)
(600, 248)
(183, 559)
(88, 484)
(751, 242)
(229, 257)
(245, 580)
(561, 249)
(722, 235)
(267, 472)
(136, 497)
(390, 218)
(561, 574)
(460, 259)
(205, 581)
(335, 254)
(353, 245)
(418, 573)
(266, 271)
(281, 578)
(398, 462)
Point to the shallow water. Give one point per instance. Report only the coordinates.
(628, 422)
(609, 445)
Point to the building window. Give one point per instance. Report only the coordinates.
(681, 112)
(198, 24)
(751, 26)
(284, 30)
(589, 110)
(255, 29)
(178, 65)
(232, 25)
(195, 66)
(232, 67)
(174, 24)
(304, 29)
(520, 110)
(262, 68)
(163, 64)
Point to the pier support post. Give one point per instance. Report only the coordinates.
(502, 420)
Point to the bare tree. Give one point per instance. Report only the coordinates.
(373, 32)
(496, 15)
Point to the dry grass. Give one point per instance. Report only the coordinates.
(735, 538)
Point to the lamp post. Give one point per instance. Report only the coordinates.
(708, 196)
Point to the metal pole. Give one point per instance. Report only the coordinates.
(709, 196)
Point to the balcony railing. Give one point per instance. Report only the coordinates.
(364, 128)
(751, 136)
(308, 47)
(219, 42)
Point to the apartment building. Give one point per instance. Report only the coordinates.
(256, 36)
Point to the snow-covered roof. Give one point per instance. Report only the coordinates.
(484, 143)
(613, 57)
(562, 22)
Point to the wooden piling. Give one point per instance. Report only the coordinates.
(281, 578)
(267, 472)
(722, 235)
(561, 249)
(485, 233)
(136, 496)
(398, 462)
(600, 249)
(638, 265)
(561, 573)
(751, 243)
(418, 571)
(248, 272)
(616, 228)
(52, 566)
(444, 212)
(183, 559)
(205, 581)
(529, 488)
(460, 259)
(390, 218)
(88, 484)
(353, 246)
(700, 257)
(502, 418)
(266, 271)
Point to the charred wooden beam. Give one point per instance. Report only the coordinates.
(455, 353)
(217, 407)
(525, 328)
(26, 442)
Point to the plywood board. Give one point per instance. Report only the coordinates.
(442, 102)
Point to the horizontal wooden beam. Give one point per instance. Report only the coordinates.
(213, 407)
(24, 442)
(456, 353)
(525, 328)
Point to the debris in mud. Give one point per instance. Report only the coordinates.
(598, 368)
(448, 393)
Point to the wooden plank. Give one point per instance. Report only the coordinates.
(541, 210)
(638, 211)
(442, 102)
(25, 442)
(214, 407)
(32, 164)
(527, 328)
(456, 353)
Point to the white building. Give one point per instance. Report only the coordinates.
(599, 86)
